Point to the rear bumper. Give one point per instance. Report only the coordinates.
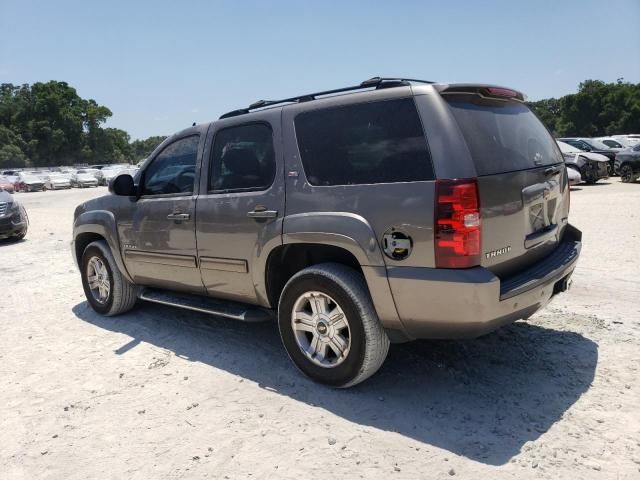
(449, 303)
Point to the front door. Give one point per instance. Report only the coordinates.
(158, 238)
(240, 210)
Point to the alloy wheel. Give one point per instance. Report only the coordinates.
(98, 279)
(321, 329)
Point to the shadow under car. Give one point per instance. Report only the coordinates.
(482, 398)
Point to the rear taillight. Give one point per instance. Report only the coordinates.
(457, 223)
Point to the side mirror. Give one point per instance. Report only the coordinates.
(122, 185)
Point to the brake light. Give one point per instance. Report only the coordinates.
(457, 223)
(502, 92)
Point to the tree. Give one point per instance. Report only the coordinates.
(141, 149)
(598, 109)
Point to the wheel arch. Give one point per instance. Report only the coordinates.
(97, 225)
(344, 238)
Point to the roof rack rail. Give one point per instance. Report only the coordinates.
(374, 82)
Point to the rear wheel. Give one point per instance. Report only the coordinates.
(626, 173)
(107, 291)
(329, 326)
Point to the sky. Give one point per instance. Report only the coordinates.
(159, 66)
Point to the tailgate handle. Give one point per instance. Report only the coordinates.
(541, 236)
(552, 171)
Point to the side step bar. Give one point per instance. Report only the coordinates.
(212, 306)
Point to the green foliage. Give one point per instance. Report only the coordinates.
(143, 148)
(50, 124)
(598, 109)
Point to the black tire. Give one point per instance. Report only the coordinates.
(122, 295)
(626, 173)
(369, 343)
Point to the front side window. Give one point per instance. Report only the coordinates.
(243, 159)
(173, 170)
(377, 142)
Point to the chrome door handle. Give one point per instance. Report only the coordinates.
(262, 212)
(179, 217)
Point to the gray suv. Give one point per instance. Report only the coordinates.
(384, 212)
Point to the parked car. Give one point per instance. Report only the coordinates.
(82, 179)
(13, 218)
(57, 181)
(591, 145)
(6, 184)
(591, 166)
(28, 182)
(345, 219)
(110, 172)
(630, 140)
(613, 142)
(628, 164)
(574, 177)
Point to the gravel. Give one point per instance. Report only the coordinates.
(559, 392)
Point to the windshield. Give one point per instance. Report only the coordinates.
(566, 148)
(30, 178)
(502, 136)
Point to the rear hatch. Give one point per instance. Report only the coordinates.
(522, 181)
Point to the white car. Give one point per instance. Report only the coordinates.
(83, 179)
(112, 172)
(57, 181)
(628, 141)
(613, 142)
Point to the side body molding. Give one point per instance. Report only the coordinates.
(103, 223)
(353, 233)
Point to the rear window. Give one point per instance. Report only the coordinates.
(378, 142)
(502, 136)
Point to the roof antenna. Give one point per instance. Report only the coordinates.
(193, 124)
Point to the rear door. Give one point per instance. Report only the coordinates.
(523, 189)
(240, 209)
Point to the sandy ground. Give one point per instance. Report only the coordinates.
(163, 393)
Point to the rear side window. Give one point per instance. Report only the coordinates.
(243, 159)
(379, 142)
(502, 136)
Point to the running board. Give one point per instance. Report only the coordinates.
(212, 306)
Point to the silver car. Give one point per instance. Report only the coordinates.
(57, 181)
(387, 211)
(82, 179)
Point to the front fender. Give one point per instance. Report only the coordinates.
(103, 223)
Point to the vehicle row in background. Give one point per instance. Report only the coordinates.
(620, 150)
(60, 178)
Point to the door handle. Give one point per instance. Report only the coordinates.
(262, 212)
(178, 217)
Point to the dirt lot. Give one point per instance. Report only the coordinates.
(163, 393)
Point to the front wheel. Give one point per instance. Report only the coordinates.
(107, 291)
(329, 326)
